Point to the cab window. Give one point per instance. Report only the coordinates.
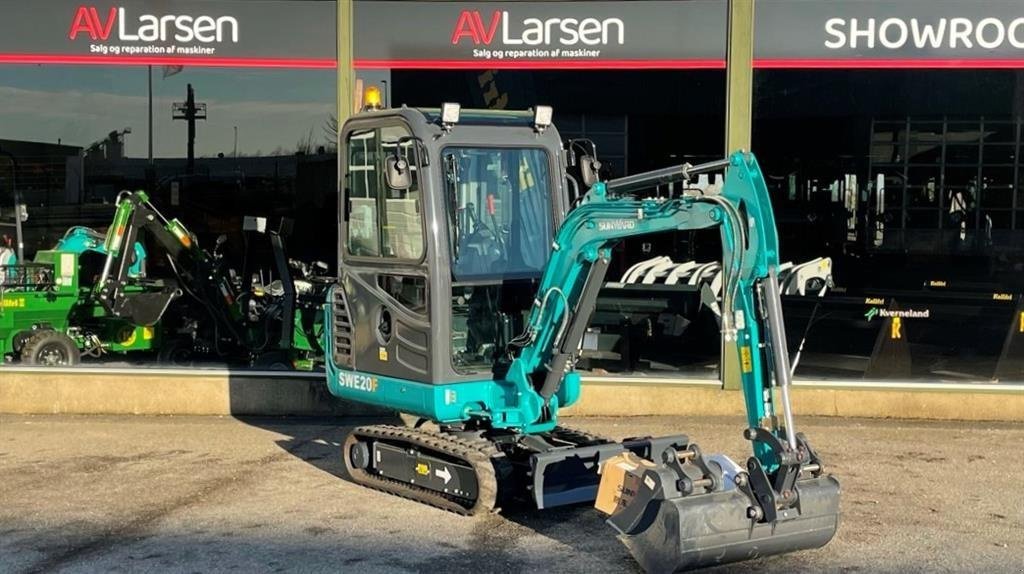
(382, 222)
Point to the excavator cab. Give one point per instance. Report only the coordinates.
(466, 282)
(445, 232)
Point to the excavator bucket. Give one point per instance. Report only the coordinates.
(690, 512)
(712, 529)
(144, 308)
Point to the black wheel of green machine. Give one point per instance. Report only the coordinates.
(176, 353)
(274, 361)
(456, 474)
(19, 340)
(50, 349)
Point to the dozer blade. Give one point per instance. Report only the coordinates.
(710, 529)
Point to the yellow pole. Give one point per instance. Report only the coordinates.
(739, 87)
(346, 73)
(739, 97)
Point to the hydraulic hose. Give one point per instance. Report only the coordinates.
(735, 268)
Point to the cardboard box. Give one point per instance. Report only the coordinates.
(620, 480)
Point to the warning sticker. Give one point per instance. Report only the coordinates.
(746, 361)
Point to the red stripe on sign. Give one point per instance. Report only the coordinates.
(655, 64)
(887, 63)
(68, 59)
(542, 64)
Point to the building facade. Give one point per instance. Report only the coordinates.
(891, 134)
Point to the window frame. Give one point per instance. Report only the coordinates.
(552, 207)
(347, 256)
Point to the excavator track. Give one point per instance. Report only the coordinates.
(579, 437)
(479, 455)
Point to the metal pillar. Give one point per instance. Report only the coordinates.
(346, 81)
(346, 73)
(739, 73)
(739, 98)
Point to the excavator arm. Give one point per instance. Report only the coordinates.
(688, 509)
(196, 270)
(752, 323)
(133, 214)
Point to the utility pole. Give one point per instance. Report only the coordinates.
(235, 153)
(190, 111)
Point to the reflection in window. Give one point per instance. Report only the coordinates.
(382, 222)
(499, 206)
(363, 189)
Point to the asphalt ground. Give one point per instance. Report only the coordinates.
(219, 494)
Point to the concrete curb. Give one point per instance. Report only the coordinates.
(223, 392)
(143, 393)
(844, 401)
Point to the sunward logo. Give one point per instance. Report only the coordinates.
(472, 27)
(98, 25)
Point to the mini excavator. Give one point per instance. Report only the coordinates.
(469, 265)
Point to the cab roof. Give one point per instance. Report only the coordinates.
(474, 117)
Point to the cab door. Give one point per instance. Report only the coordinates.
(383, 271)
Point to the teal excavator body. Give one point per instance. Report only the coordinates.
(586, 238)
(467, 276)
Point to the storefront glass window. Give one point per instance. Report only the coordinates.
(936, 235)
(74, 139)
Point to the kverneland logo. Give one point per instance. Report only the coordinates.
(150, 27)
(536, 32)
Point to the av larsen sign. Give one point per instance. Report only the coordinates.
(227, 32)
(653, 34)
(204, 31)
(689, 34)
(638, 34)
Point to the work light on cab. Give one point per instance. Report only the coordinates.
(450, 114)
(542, 117)
(372, 99)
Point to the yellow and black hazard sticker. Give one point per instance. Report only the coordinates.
(746, 361)
(422, 468)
